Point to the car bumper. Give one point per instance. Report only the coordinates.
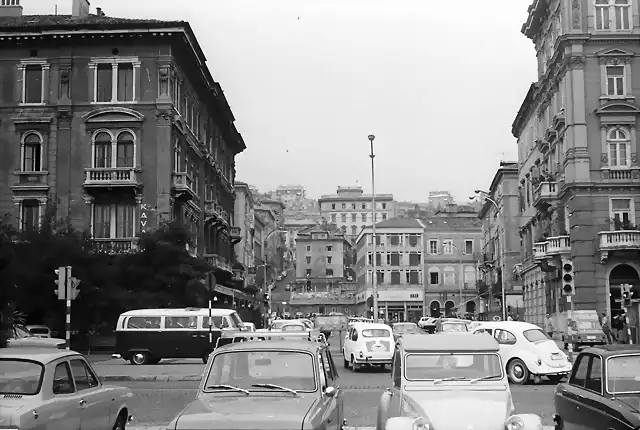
(546, 370)
(374, 360)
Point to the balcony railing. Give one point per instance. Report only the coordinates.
(323, 297)
(622, 240)
(116, 246)
(110, 177)
(217, 261)
(540, 250)
(558, 245)
(545, 192)
(183, 182)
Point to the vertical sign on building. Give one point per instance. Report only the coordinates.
(143, 217)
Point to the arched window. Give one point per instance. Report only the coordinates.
(102, 150)
(619, 147)
(125, 149)
(31, 152)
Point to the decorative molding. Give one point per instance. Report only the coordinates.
(576, 62)
(112, 114)
(604, 160)
(165, 117)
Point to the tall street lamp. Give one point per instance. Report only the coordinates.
(372, 155)
(501, 240)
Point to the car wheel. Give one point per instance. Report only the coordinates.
(555, 378)
(140, 358)
(518, 372)
(354, 365)
(344, 359)
(120, 423)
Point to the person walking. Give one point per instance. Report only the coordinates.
(548, 326)
(606, 328)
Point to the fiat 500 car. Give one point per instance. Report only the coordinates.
(57, 389)
(287, 381)
(452, 381)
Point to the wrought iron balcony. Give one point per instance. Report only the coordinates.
(540, 250)
(116, 246)
(558, 245)
(621, 240)
(111, 177)
(545, 192)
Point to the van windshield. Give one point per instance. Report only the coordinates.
(587, 324)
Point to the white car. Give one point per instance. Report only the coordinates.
(426, 322)
(368, 344)
(527, 351)
(39, 330)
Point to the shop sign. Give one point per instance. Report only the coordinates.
(400, 296)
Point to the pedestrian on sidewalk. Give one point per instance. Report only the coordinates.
(606, 328)
(548, 326)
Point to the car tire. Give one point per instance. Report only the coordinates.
(354, 366)
(518, 372)
(345, 361)
(121, 422)
(139, 358)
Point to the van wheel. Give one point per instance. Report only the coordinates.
(120, 423)
(139, 358)
(518, 372)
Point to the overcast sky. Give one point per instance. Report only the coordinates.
(437, 82)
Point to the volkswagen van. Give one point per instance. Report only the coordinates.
(146, 336)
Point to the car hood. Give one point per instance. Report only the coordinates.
(283, 412)
(483, 410)
(632, 401)
(36, 342)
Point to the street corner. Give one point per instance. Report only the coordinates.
(150, 378)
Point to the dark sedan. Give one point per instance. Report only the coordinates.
(603, 391)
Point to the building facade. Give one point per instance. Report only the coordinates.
(322, 284)
(244, 216)
(577, 146)
(500, 228)
(116, 136)
(452, 243)
(399, 252)
(350, 209)
(288, 194)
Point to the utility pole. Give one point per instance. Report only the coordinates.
(374, 282)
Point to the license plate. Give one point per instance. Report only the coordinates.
(591, 338)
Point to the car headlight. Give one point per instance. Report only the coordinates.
(515, 423)
(523, 421)
(421, 424)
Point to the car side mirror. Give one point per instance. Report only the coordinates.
(330, 391)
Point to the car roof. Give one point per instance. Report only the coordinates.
(514, 325)
(178, 311)
(267, 345)
(448, 342)
(42, 355)
(404, 323)
(616, 349)
(368, 325)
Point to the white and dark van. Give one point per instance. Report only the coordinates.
(146, 336)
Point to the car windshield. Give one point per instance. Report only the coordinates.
(622, 374)
(535, 335)
(22, 377)
(405, 328)
(243, 369)
(442, 366)
(376, 332)
(39, 330)
(454, 326)
(587, 324)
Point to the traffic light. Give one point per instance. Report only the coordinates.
(61, 282)
(568, 282)
(74, 288)
(626, 295)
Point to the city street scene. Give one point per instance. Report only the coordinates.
(246, 215)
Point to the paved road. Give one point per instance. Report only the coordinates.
(157, 403)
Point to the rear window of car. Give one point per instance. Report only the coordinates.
(534, 335)
(23, 377)
(376, 332)
(39, 330)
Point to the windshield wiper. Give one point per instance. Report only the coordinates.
(227, 387)
(275, 387)
(484, 378)
(451, 378)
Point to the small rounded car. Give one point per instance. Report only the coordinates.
(57, 389)
(367, 344)
(449, 381)
(448, 325)
(527, 351)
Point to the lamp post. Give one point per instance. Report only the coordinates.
(501, 240)
(374, 283)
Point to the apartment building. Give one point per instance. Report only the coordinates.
(323, 282)
(452, 242)
(350, 209)
(577, 146)
(289, 193)
(244, 216)
(500, 228)
(119, 125)
(399, 252)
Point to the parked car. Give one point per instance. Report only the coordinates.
(449, 381)
(21, 337)
(249, 326)
(39, 330)
(269, 384)
(603, 391)
(47, 388)
(428, 324)
(367, 344)
(527, 351)
(587, 330)
(400, 329)
(451, 325)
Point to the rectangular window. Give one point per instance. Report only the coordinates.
(468, 247)
(353, 217)
(394, 240)
(413, 240)
(615, 80)
(395, 259)
(33, 82)
(369, 259)
(622, 14)
(334, 218)
(308, 260)
(329, 248)
(124, 221)
(308, 272)
(384, 217)
(433, 247)
(622, 215)
(602, 15)
(329, 260)
(380, 277)
(333, 206)
(363, 217)
(329, 272)
(104, 82)
(415, 259)
(308, 248)
(125, 82)
(101, 221)
(113, 221)
(395, 278)
(613, 15)
(30, 216)
(434, 278)
(447, 246)
(114, 80)
(414, 277)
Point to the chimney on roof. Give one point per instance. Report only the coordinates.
(10, 8)
(99, 11)
(80, 8)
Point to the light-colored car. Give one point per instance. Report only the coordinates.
(427, 321)
(51, 389)
(432, 377)
(249, 326)
(367, 344)
(39, 330)
(448, 325)
(527, 351)
(21, 337)
(400, 329)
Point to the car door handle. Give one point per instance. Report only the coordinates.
(82, 402)
(388, 390)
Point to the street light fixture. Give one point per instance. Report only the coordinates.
(374, 283)
(501, 240)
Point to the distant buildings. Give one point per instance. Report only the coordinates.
(350, 209)
(439, 199)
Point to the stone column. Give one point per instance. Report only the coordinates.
(46, 89)
(92, 82)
